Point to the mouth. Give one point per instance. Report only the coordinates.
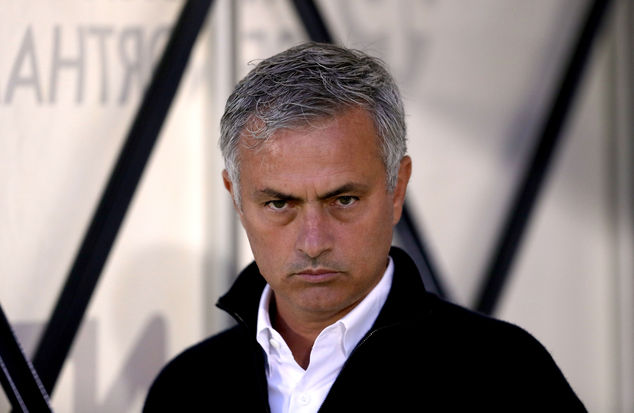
(317, 275)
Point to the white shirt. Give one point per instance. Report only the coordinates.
(290, 387)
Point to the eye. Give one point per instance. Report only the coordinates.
(277, 205)
(346, 200)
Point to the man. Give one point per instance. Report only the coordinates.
(329, 317)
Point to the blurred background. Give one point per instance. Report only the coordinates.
(478, 79)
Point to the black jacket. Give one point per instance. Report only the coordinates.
(422, 354)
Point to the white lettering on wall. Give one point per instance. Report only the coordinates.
(120, 68)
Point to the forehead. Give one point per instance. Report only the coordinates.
(345, 144)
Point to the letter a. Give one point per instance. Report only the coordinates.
(26, 56)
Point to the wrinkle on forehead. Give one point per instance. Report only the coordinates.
(324, 148)
(358, 117)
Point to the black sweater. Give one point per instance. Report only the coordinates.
(422, 354)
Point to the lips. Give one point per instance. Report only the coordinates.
(317, 275)
(316, 272)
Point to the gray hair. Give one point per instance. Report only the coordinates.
(309, 82)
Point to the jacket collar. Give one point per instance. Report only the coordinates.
(243, 298)
(406, 300)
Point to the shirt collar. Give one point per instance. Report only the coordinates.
(355, 324)
(360, 319)
(264, 327)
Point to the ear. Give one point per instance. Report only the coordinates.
(404, 173)
(230, 188)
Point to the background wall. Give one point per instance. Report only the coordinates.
(477, 78)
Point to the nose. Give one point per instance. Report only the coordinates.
(314, 236)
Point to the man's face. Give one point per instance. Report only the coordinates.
(317, 213)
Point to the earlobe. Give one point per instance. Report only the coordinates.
(227, 182)
(404, 173)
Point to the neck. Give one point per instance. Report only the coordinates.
(299, 333)
(299, 341)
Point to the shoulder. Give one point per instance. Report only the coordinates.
(443, 313)
(458, 323)
(211, 350)
(199, 367)
(501, 354)
(493, 341)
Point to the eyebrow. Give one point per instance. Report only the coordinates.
(272, 193)
(345, 188)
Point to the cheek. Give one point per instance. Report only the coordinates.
(381, 216)
(257, 236)
(372, 230)
(270, 245)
